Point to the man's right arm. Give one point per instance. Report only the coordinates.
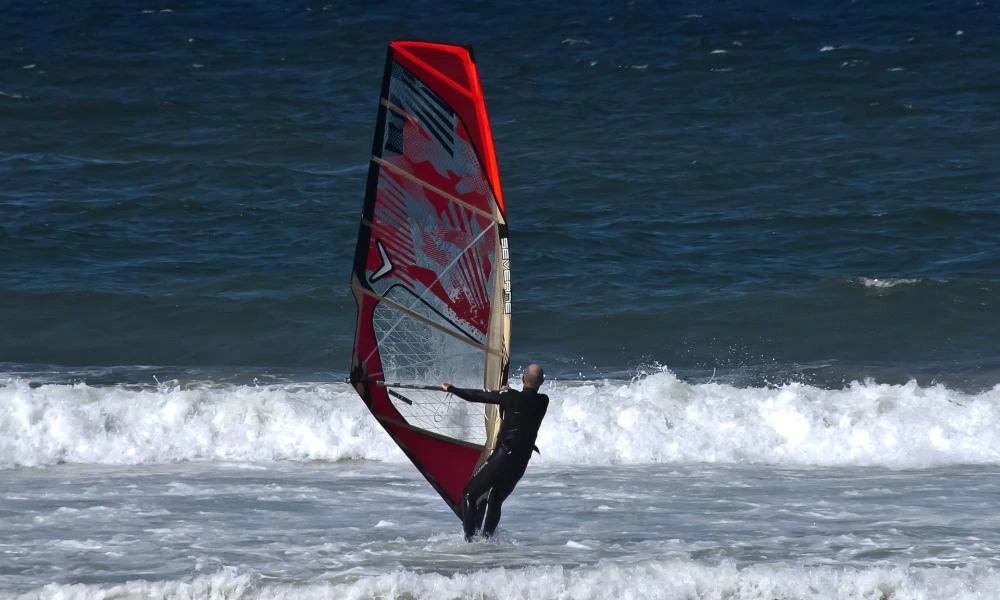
(470, 395)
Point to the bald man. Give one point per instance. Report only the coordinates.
(522, 413)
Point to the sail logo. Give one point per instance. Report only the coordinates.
(505, 268)
(387, 265)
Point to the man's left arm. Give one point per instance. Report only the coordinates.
(480, 396)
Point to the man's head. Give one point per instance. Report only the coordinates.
(533, 376)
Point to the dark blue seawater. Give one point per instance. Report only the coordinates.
(756, 192)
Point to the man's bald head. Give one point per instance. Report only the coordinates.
(533, 376)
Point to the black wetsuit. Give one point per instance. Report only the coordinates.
(522, 414)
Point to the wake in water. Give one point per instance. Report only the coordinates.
(657, 418)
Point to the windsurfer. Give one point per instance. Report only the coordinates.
(522, 413)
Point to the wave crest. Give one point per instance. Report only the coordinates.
(656, 418)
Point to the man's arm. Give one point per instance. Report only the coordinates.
(480, 396)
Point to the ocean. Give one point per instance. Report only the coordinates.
(753, 244)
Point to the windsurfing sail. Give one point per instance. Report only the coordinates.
(431, 270)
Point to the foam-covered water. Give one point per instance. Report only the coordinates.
(356, 529)
(666, 579)
(649, 488)
(653, 419)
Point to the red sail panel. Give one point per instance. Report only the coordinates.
(431, 272)
(453, 69)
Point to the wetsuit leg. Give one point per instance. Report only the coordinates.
(492, 514)
(502, 487)
(477, 488)
(480, 514)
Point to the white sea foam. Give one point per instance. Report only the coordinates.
(115, 425)
(662, 419)
(654, 419)
(666, 579)
(883, 282)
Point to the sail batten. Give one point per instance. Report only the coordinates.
(454, 332)
(432, 273)
(434, 189)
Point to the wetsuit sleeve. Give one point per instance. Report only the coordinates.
(541, 415)
(476, 395)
